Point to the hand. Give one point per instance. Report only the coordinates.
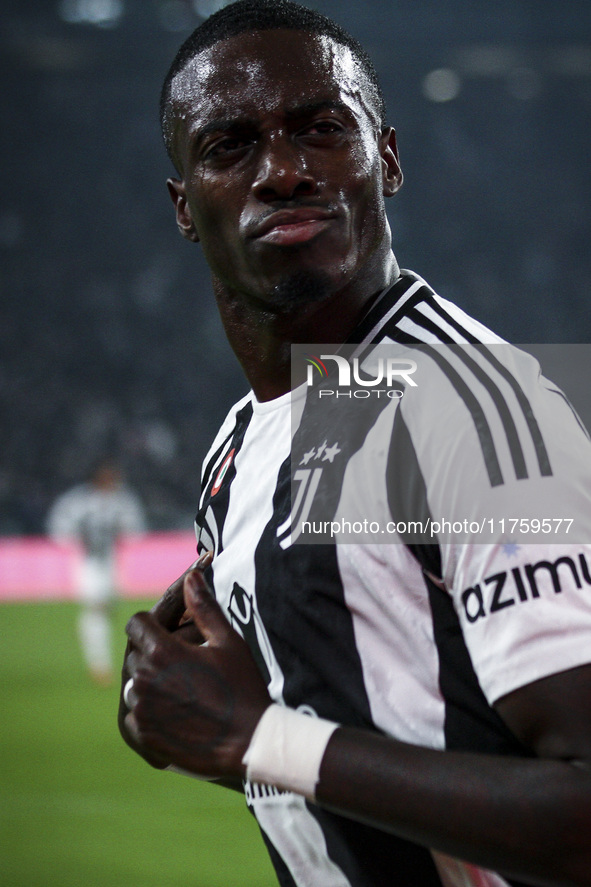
(193, 706)
(168, 612)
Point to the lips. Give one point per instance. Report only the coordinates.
(288, 227)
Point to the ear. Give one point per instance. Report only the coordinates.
(184, 220)
(391, 171)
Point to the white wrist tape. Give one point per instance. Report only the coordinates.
(286, 750)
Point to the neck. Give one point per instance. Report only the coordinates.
(261, 336)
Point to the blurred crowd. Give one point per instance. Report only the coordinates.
(109, 338)
(102, 383)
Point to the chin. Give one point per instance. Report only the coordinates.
(301, 288)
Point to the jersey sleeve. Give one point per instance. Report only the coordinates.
(505, 481)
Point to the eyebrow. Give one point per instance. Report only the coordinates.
(230, 124)
(314, 107)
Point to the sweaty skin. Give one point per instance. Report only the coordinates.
(284, 173)
(283, 169)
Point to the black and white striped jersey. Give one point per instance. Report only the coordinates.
(415, 637)
(96, 518)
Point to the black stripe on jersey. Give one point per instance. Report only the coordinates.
(410, 310)
(532, 424)
(504, 412)
(407, 491)
(302, 604)
(483, 431)
(209, 468)
(486, 381)
(487, 444)
(389, 328)
(471, 724)
(220, 501)
(372, 858)
(452, 321)
(389, 299)
(309, 623)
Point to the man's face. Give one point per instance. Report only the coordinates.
(284, 166)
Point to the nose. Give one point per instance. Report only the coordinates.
(282, 172)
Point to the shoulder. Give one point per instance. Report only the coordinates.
(239, 414)
(73, 497)
(411, 311)
(241, 409)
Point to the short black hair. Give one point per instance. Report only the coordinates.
(261, 15)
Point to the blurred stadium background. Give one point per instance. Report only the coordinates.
(109, 340)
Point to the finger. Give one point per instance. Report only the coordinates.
(169, 609)
(207, 614)
(132, 664)
(202, 564)
(132, 729)
(124, 669)
(204, 561)
(133, 737)
(146, 634)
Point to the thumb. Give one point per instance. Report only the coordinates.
(205, 611)
(169, 609)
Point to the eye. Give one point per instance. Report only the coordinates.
(324, 127)
(227, 147)
(322, 131)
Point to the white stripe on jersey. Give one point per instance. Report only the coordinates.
(445, 327)
(469, 324)
(299, 840)
(223, 435)
(371, 336)
(410, 708)
(249, 511)
(409, 326)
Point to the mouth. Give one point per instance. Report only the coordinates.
(291, 227)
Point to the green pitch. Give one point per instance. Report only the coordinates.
(77, 807)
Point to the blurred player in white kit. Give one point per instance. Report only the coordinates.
(95, 515)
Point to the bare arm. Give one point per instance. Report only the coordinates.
(527, 818)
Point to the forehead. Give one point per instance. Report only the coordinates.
(263, 72)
